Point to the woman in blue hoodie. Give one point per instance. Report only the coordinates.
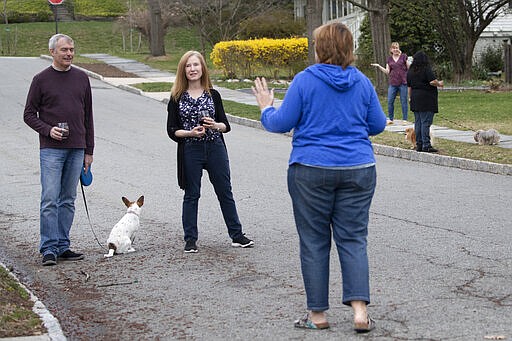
(333, 109)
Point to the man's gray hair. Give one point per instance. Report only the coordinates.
(52, 43)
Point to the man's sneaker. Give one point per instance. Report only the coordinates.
(190, 246)
(242, 241)
(70, 255)
(49, 259)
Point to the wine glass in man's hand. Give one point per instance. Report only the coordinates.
(64, 129)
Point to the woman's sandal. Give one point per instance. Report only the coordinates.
(365, 327)
(306, 323)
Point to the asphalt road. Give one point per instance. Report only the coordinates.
(439, 244)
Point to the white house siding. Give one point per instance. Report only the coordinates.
(495, 35)
(337, 11)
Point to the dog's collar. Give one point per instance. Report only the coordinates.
(133, 213)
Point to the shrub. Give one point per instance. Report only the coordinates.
(443, 70)
(479, 72)
(364, 51)
(494, 83)
(277, 24)
(492, 59)
(249, 58)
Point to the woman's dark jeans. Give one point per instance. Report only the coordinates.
(328, 204)
(213, 157)
(422, 122)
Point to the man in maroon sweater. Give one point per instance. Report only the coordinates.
(60, 94)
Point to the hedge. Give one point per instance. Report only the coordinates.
(270, 57)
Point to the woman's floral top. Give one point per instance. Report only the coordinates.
(191, 110)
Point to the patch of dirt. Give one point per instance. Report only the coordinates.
(106, 70)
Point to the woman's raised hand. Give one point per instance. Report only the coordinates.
(264, 96)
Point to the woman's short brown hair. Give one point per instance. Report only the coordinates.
(334, 44)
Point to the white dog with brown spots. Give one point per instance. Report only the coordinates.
(123, 233)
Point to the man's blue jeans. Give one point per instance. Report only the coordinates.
(328, 204)
(60, 172)
(213, 157)
(392, 92)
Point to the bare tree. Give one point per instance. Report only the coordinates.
(152, 22)
(461, 22)
(156, 31)
(5, 12)
(378, 11)
(220, 20)
(314, 10)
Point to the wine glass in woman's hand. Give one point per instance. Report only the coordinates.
(202, 115)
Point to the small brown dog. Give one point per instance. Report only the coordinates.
(410, 136)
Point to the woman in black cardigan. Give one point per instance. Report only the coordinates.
(423, 84)
(196, 121)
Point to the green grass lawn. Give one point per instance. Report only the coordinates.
(469, 110)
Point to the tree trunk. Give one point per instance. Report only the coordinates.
(314, 10)
(156, 34)
(381, 38)
(5, 13)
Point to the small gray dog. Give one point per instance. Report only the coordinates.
(488, 137)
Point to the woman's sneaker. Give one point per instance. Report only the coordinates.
(190, 246)
(71, 256)
(242, 241)
(430, 150)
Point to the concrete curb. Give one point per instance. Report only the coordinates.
(50, 322)
(443, 160)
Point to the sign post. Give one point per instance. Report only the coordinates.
(54, 9)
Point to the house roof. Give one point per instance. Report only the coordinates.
(499, 27)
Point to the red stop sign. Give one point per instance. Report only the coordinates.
(55, 2)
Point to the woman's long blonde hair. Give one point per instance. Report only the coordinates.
(181, 82)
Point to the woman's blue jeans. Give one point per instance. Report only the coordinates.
(392, 92)
(328, 204)
(422, 122)
(60, 172)
(213, 157)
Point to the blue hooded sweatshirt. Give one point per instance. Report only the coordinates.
(332, 112)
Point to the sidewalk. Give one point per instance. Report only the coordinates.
(448, 133)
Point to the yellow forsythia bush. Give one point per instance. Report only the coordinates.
(249, 58)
